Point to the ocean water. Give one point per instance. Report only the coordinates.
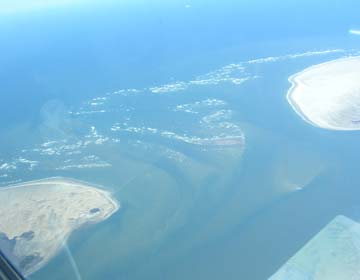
(179, 109)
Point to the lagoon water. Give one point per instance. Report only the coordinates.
(180, 111)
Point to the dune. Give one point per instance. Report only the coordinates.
(327, 95)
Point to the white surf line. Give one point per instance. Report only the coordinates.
(354, 31)
(293, 104)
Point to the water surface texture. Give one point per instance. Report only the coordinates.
(178, 110)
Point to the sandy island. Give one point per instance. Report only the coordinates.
(37, 217)
(327, 95)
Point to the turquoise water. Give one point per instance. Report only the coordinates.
(165, 107)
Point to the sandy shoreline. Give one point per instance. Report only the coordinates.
(324, 95)
(293, 104)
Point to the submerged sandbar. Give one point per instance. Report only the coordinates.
(37, 217)
(327, 95)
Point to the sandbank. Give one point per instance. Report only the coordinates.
(327, 95)
(37, 217)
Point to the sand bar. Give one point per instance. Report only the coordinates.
(37, 217)
(327, 95)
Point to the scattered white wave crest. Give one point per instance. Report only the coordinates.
(195, 107)
(354, 31)
(87, 162)
(294, 56)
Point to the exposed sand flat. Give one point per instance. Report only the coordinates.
(333, 254)
(37, 217)
(327, 95)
